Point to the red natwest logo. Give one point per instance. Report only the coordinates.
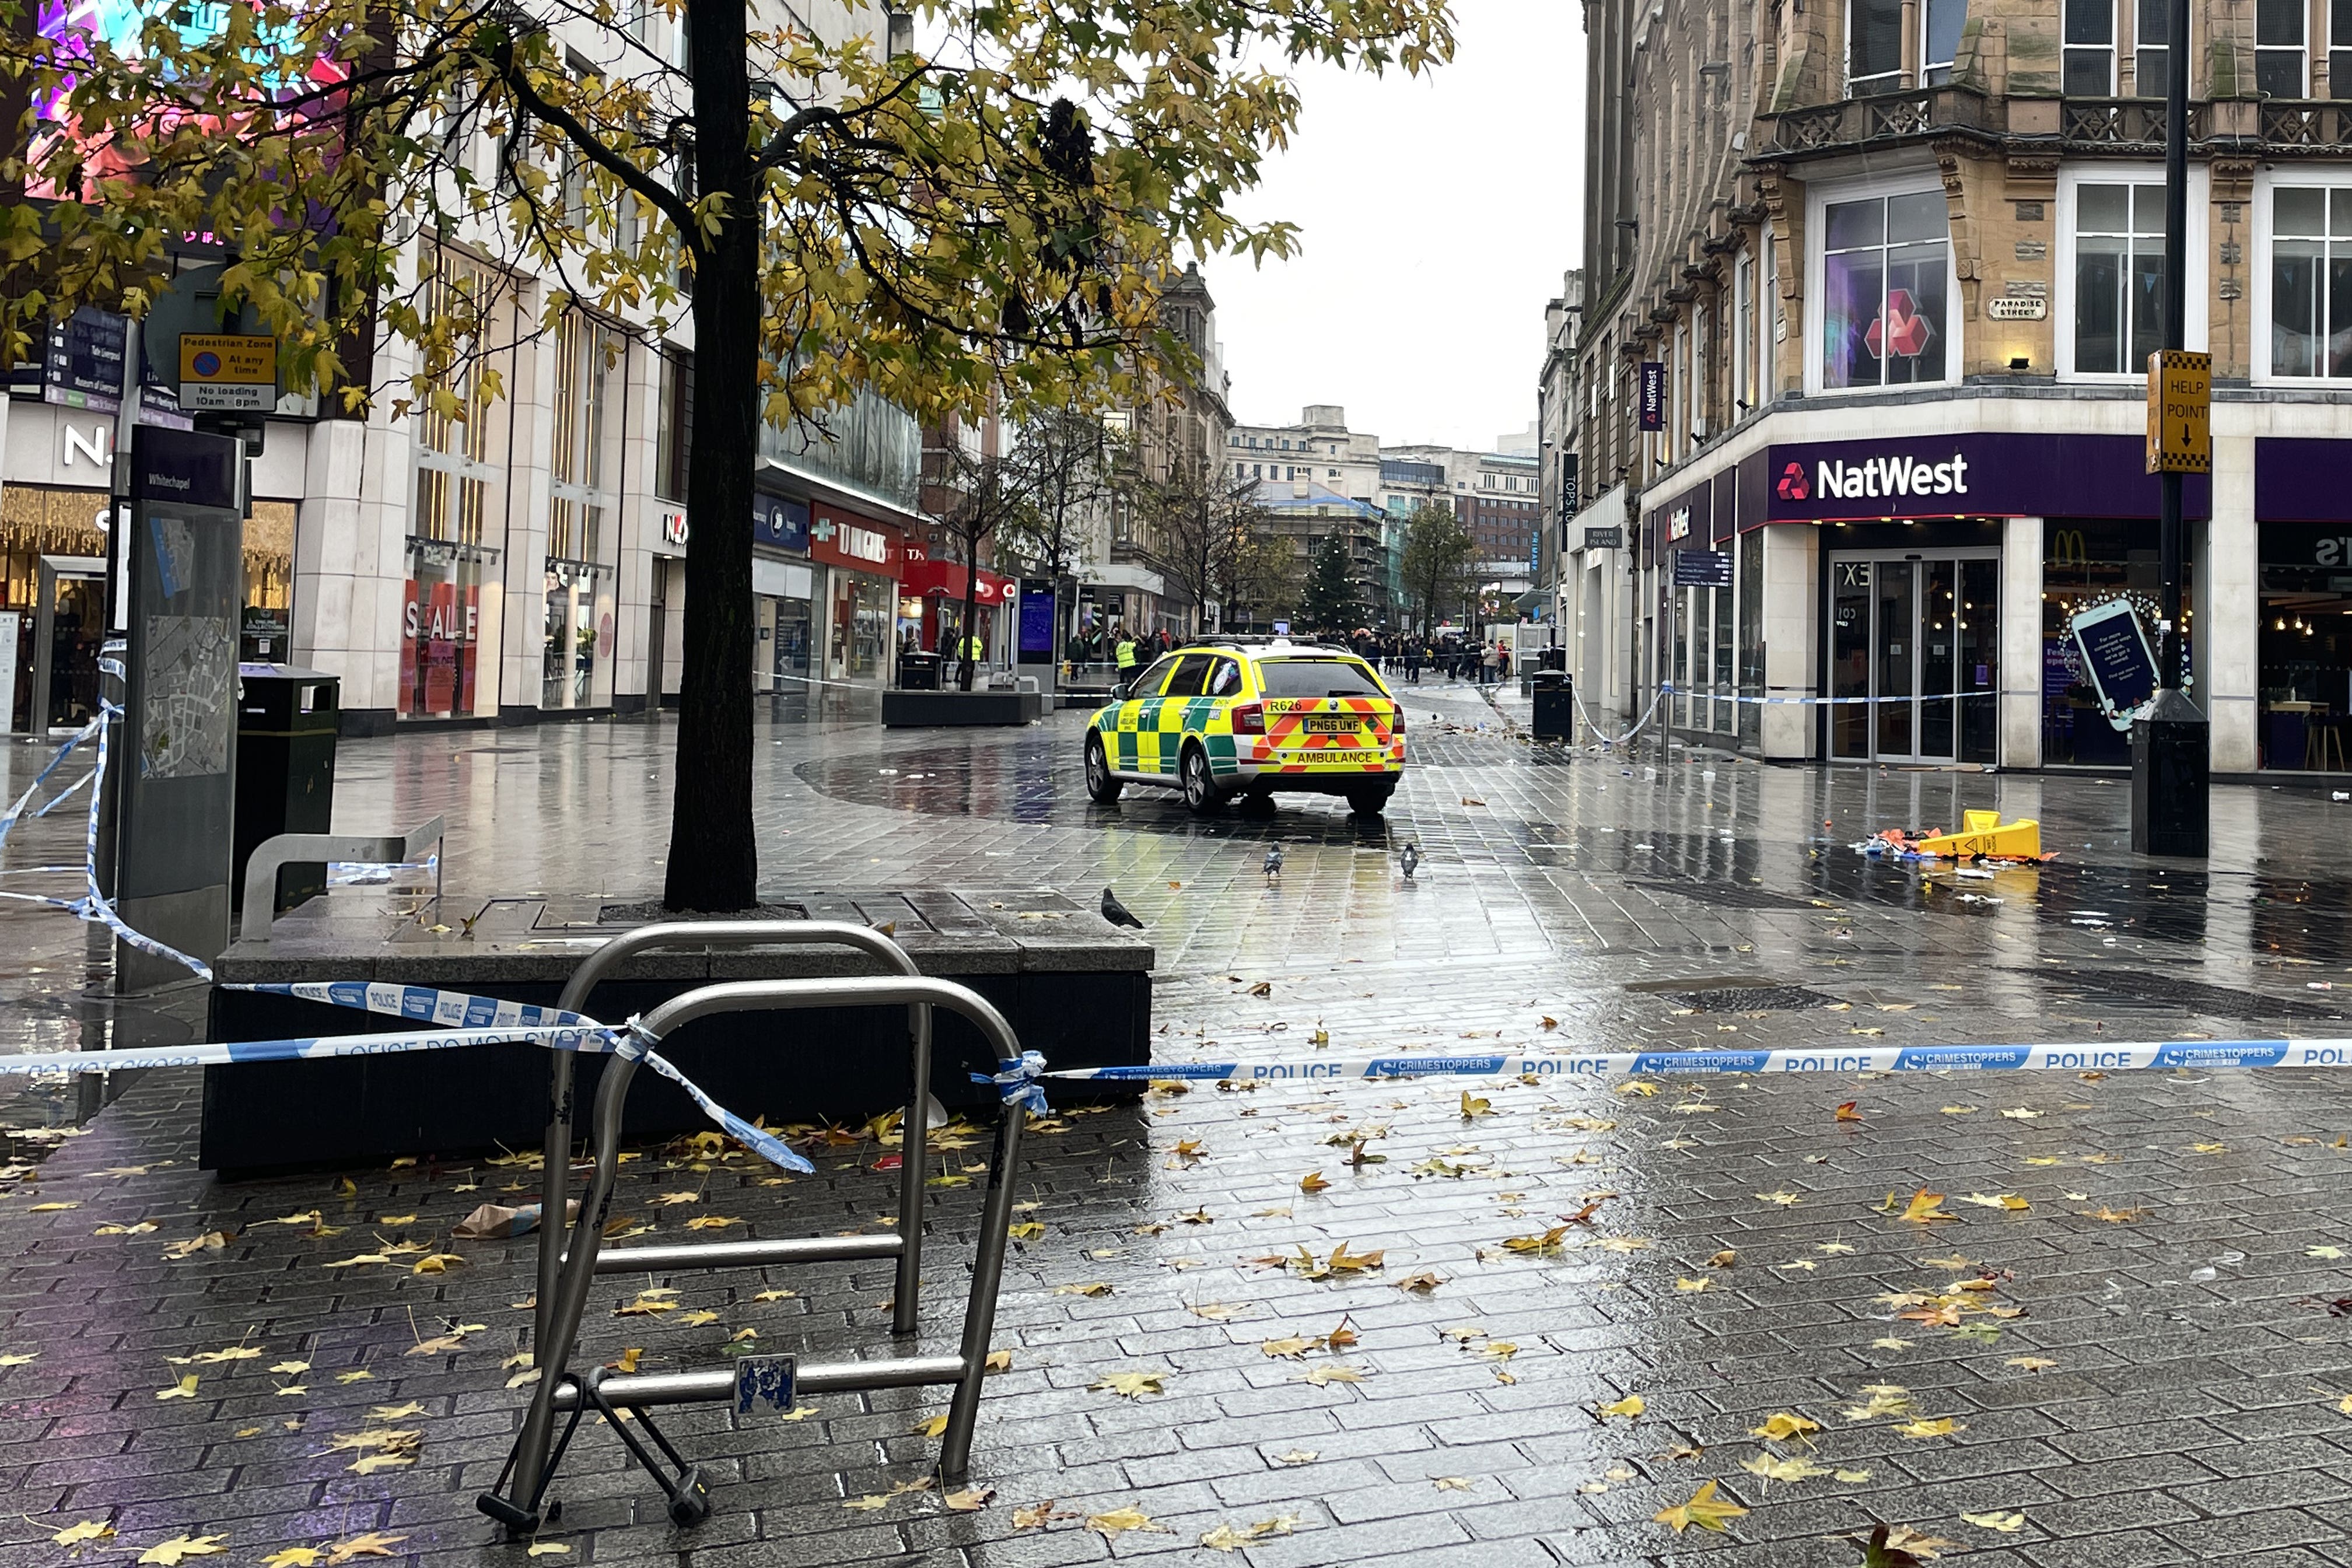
(1901, 331)
(1792, 483)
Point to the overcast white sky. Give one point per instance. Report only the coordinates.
(1438, 217)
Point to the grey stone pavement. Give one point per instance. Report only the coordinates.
(2125, 1346)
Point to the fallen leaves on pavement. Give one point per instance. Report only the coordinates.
(1705, 1509)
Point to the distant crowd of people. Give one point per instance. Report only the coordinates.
(1459, 658)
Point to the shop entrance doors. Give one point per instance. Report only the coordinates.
(1919, 634)
(68, 624)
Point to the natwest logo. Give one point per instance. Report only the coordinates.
(1878, 478)
(1792, 483)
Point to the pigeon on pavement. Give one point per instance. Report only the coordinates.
(1272, 861)
(1116, 912)
(1411, 859)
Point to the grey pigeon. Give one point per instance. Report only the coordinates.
(1272, 861)
(1116, 912)
(1412, 861)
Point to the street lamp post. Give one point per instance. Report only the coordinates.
(2170, 740)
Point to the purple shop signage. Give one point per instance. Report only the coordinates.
(2303, 480)
(1654, 394)
(1969, 475)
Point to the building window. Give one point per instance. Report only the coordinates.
(2311, 281)
(674, 439)
(2339, 49)
(2279, 48)
(1700, 372)
(1743, 332)
(446, 619)
(2119, 278)
(1767, 319)
(1939, 39)
(2090, 64)
(2149, 35)
(577, 663)
(1874, 47)
(1885, 277)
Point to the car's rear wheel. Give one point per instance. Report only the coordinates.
(1202, 796)
(1370, 800)
(1100, 786)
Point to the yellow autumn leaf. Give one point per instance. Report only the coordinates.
(1691, 1286)
(2007, 1523)
(1118, 1521)
(375, 1544)
(1094, 1287)
(166, 1554)
(1925, 1208)
(931, 1427)
(2008, 1200)
(1774, 1469)
(184, 1389)
(1705, 1509)
(1312, 1182)
(711, 1222)
(1322, 1375)
(866, 1503)
(436, 1263)
(549, 1549)
(1941, 1427)
(1783, 1425)
(294, 1557)
(1131, 1384)
(1629, 1408)
(82, 1534)
(1027, 1230)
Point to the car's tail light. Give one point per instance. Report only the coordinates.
(1396, 718)
(1249, 719)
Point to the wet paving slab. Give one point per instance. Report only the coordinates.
(1313, 1323)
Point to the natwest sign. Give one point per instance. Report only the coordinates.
(1973, 473)
(845, 539)
(1900, 474)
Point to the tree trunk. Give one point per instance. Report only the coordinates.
(966, 634)
(713, 858)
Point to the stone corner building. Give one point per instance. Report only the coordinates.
(1888, 273)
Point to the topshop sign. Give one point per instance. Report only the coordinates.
(1971, 475)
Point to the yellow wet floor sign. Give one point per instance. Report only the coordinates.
(1984, 833)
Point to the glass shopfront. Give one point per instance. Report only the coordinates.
(448, 664)
(864, 557)
(581, 602)
(451, 618)
(52, 604)
(1915, 649)
(2304, 647)
(267, 629)
(2087, 563)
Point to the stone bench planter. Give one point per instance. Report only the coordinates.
(932, 709)
(1073, 987)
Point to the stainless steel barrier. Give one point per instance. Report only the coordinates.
(519, 1500)
(556, 1152)
(272, 855)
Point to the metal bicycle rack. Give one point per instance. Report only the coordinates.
(520, 1494)
(556, 1156)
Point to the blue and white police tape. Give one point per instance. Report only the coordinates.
(2158, 1056)
(501, 1023)
(93, 905)
(1016, 1082)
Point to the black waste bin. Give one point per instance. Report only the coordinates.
(1555, 704)
(1553, 658)
(919, 671)
(285, 769)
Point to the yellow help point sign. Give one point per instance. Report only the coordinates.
(2179, 412)
(232, 371)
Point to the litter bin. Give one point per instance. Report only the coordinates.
(1552, 657)
(918, 672)
(286, 721)
(1555, 705)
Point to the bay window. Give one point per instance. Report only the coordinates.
(2311, 281)
(2279, 48)
(2150, 50)
(2089, 68)
(1874, 47)
(1886, 263)
(2118, 276)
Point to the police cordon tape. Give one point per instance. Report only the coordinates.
(468, 1020)
(2159, 1056)
(93, 905)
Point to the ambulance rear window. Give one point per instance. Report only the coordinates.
(1315, 678)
